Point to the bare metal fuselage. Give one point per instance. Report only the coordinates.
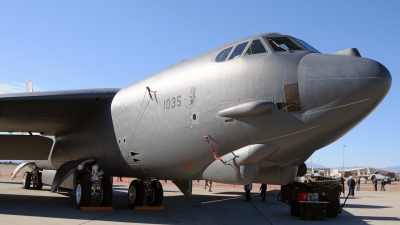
(159, 131)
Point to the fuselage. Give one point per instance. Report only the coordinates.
(156, 127)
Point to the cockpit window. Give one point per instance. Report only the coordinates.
(222, 55)
(238, 50)
(305, 44)
(256, 47)
(283, 44)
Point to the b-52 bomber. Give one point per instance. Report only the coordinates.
(249, 111)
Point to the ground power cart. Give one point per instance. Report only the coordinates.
(316, 198)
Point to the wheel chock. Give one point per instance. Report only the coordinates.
(149, 207)
(96, 208)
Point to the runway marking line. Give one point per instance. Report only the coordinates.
(96, 208)
(149, 207)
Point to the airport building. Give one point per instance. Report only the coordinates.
(321, 171)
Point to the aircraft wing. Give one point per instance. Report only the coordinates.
(25, 147)
(53, 112)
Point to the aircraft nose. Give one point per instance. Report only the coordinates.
(332, 80)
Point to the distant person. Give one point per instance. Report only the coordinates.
(248, 188)
(263, 190)
(351, 183)
(342, 182)
(389, 183)
(208, 185)
(383, 185)
(375, 182)
(358, 183)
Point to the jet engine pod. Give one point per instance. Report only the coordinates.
(277, 175)
(228, 174)
(239, 167)
(301, 170)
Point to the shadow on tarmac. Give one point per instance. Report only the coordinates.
(225, 207)
(367, 206)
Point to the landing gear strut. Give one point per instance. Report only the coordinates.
(37, 180)
(98, 186)
(145, 188)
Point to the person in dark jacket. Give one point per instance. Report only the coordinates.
(383, 183)
(375, 182)
(351, 183)
(342, 183)
(248, 188)
(263, 190)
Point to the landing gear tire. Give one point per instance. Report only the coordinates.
(83, 192)
(26, 183)
(155, 197)
(135, 194)
(107, 192)
(39, 185)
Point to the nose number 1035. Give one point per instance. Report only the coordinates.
(172, 102)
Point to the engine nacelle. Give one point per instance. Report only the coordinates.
(239, 167)
(277, 175)
(227, 174)
(301, 170)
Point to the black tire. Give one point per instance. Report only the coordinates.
(107, 192)
(26, 184)
(295, 210)
(332, 211)
(39, 181)
(135, 194)
(158, 193)
(83, 192)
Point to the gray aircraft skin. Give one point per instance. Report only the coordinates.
(250, 111)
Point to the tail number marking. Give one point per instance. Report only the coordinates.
(172, 102)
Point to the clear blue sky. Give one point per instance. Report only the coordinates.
(66, 45)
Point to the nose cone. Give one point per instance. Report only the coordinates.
(329, 81)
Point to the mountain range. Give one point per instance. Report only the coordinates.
(395, 169)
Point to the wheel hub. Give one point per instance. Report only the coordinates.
(78, 193)
(132, 194)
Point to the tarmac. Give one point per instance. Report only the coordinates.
(224, 205)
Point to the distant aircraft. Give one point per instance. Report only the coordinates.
(250, 111)
(365, 177)
(29, 86)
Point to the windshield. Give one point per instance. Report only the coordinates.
(305, 44)
(283, 44)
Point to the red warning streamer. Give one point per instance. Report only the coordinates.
(148, 89)
(213, 150)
